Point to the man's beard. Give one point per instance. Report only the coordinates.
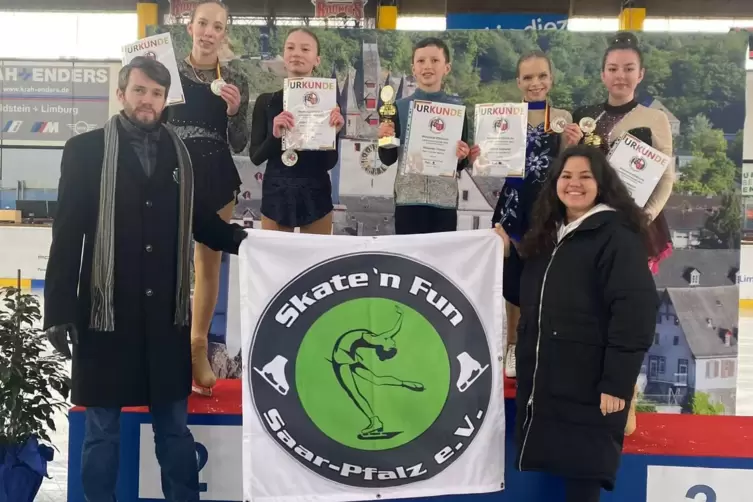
(131, 113)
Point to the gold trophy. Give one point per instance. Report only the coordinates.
(387, 113)
(588, 126)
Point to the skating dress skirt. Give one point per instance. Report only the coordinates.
(202, 122)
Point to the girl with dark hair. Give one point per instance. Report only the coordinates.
(535, 79)
(588, 307)
(300, 195)
(211, 123)
(622, 71)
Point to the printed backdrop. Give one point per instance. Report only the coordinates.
(697, 80)
(371, 366)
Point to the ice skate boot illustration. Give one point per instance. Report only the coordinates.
(470, 370)
(375, 430)
(274, 374)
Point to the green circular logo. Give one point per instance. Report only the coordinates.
(372, 374)
(371, 370)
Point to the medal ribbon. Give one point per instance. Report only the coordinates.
(193, 67)
(538, 105)
(547, 124)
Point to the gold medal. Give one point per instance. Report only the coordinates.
(289, 157)
(592, 140)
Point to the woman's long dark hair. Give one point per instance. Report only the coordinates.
(549, 211)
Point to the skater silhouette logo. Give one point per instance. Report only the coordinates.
(348, 364)
(371, 370)
(372, 374)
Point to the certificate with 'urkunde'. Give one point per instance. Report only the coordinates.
(639, 166)
(500, 133)
(158, 47)
(311, 101)
(433, 132)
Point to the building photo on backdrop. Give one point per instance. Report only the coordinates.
(697, 80)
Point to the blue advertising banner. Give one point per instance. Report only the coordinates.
(506, 21)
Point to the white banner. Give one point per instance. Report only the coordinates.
(700, 484)
(747, 179)
(26, 248)
(371, 366)
(745, 337)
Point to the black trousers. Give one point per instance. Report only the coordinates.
(424, 219)
(582, 490)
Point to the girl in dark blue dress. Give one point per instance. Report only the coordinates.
(297, 195)
(516, 199)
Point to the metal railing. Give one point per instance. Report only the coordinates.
(680, 379)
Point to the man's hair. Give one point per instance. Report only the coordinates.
(432, 42)
(151, 68)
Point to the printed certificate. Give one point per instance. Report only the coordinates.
(433, 132)
(639, 165)
(159, 47)
(311, 101)
(501, 130)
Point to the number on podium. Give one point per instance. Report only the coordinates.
(202, 456)
(704, 490)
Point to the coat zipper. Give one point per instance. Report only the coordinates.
(529, 405)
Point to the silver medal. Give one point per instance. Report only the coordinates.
(558, 124)
(587, 125)
(289, 157)
(217, 85)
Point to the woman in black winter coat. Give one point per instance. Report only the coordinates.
(588, 311)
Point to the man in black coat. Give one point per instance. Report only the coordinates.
(126, 195)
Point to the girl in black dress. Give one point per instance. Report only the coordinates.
(211, 123)
(300, 195)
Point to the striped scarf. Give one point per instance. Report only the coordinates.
(103, 266)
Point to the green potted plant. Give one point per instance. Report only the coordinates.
(33, 386)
